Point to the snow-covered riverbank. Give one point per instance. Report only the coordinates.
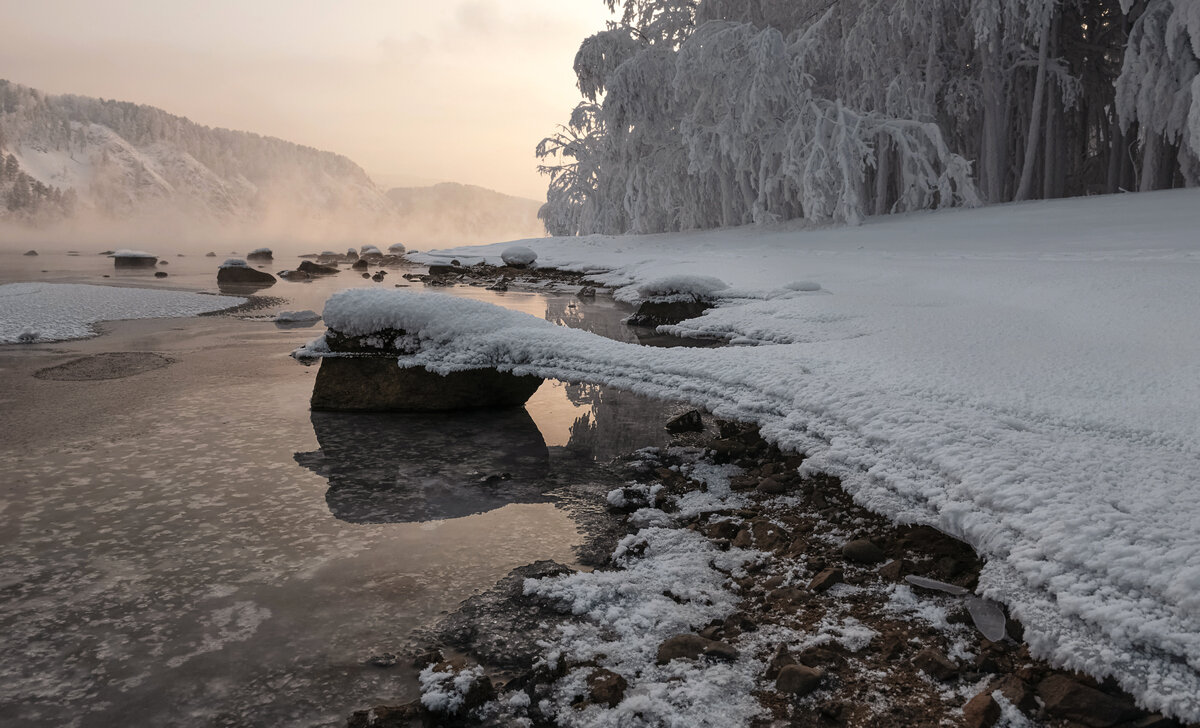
(1023, 377)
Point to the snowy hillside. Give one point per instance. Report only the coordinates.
(1022, 376)
(124, 160)
(456, 214)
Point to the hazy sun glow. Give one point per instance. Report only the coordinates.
(414, 91)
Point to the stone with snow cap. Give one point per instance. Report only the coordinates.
(363, 353)
(518, 256)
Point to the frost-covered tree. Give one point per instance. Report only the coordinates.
(727, 112)
(1159, 89)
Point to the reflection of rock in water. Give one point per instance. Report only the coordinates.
(399, 468)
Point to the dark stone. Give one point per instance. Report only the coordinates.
(935, 664)
(781, 659)
(501, 284)
(689, 646)
(660, 313)
(316, 269)
(135, 262)
(981, 711)
(788, 596)
(1068, 698)
(425, 659)
(265, 255)
(164, 262)
(798, 680)
(377, 383)
(378, 277)
(768, 535)
(771, 486)
(606, 687)
(689, 421)
(160, 274)
(210, 255)
(1016, 691)
(359, 264)
(445, 270)
(409, 715)
(243, 275)
(863, 551)
(823, 581)
(586, 292)
(31, 252)
(385, 659)
(896, 569)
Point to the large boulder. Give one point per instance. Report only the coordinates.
(378, 384)
(518, 256)
(236, 272)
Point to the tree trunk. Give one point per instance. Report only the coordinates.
(883, 174)
(1035, 118)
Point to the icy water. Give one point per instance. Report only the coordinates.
(192, 546)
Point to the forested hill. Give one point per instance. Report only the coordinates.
(65, 155)
(463, 214)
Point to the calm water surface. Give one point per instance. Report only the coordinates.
(192, 546)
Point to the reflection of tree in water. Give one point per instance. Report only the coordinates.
(399, 468)
(615, 422)
(603, 317)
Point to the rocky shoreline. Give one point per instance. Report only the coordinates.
(831, 613)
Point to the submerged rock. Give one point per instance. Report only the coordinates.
(134, 259)
(359, 264)
(662, 313)
(31, 252)
(160, 274)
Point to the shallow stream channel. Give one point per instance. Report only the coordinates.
(185, 543)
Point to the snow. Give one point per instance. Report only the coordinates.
(1024, 377)
(518, 255)
(678, 288)
(669, 581)
(60, 311)
(234, 263)
(260, 251)
(396, 249)
(125, 253)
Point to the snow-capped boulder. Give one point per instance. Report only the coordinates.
(260, 254)
(134, 259)
(396, 249)
(667, 301)
(369, 330)
(518, 256)
(235, 271)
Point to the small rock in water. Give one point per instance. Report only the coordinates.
(386, 659)
(501, 284)
(366, 275)
(689, 421)
(210, 255)
(378, 277)
(359, 264)
(586, 292)
(164, 262)
(863, 551)
(31, 252)
(160, 274)
(28, 336)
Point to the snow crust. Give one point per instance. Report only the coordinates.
(41, 312)
(1025, 377)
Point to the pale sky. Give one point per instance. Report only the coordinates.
(415, 91)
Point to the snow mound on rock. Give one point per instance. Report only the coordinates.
(518, 255)
(234, 263)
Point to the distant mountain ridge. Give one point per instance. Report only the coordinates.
(63, 157)
(124, 160)
(452, 213)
